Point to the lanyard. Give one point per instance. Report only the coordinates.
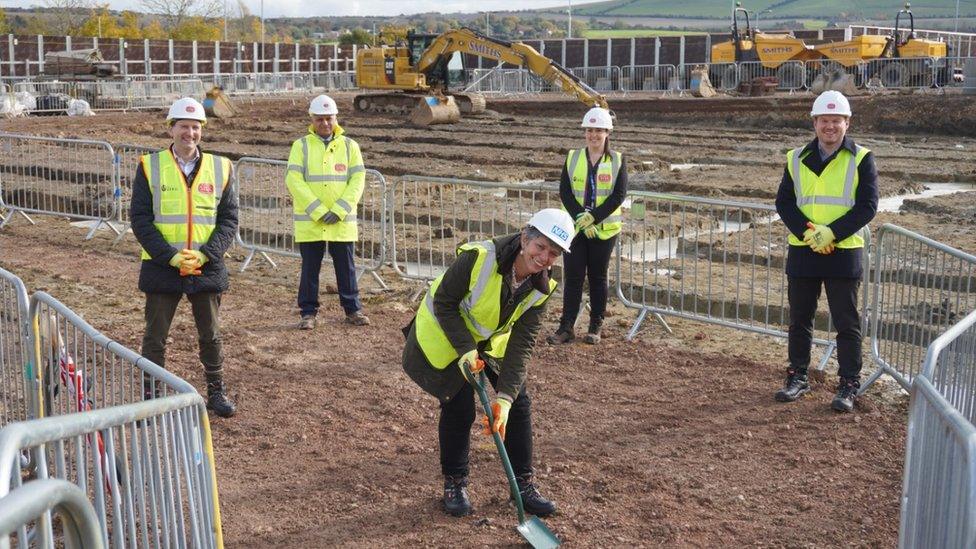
(591, 186)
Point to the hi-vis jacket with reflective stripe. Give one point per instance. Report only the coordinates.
(325, 178)
(185, 215)
(606, 177)
(826, 197)
(479, 309)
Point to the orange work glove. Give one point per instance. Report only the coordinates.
(499, 410)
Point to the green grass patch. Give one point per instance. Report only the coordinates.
(812, 9)
(634, 33)
(814, 24)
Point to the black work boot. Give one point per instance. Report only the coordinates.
(456, 501)
(564, 334)
(218, 402)
(846, 393)
(796, 386)
(533, 502)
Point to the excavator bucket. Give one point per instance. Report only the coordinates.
(834, 79)
(701, 86)
(432, 110)
(218, 105)
(470, 103)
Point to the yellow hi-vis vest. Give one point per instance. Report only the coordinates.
(325, 178)
(606, 177)
(825, 198)
(480, 310)
(185, 215)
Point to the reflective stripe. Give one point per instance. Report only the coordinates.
(573, 161)
(154, 177)
(613, 219)
(324, 178)
(357, 169)
(294, 168)
(181, 219)
(218, 164)
(487, 268)
(604, 192)
(311, 207)
(847, 199)
(344, 205)
(614, 165)
(305, 158)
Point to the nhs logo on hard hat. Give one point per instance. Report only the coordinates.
(560, 234)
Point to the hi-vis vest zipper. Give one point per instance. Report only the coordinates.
(186, 215)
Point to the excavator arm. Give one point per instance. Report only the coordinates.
(472, 42)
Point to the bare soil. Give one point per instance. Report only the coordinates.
(667, 440)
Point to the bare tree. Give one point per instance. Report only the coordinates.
(67, 16)
(175, 12)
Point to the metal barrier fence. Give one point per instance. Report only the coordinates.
(266, 215)
(601, 79)
(79, 524)
(148, 468)
(16, 403)
(791, 75)
(74, 178)
(432, 215)
(714, 261)
(920, 288)
(126, 163)
(506, 81)
(938, 503)
(652, 78)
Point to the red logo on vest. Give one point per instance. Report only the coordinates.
(340, 167)
(831, 106)
(603, 178)
(206, 188)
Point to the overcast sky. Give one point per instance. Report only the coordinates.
(307, 8)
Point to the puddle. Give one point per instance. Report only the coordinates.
(894, 203)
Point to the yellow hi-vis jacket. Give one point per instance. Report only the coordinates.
(606, 178)
(325, 178)
(826, 197)
(185, 215)
(480, 310)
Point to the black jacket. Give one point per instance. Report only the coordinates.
(803, 262)
(156, 275)
(446, 383)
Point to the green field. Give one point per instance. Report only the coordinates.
(634, 33)
(817, 9)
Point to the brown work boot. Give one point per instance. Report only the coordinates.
(307, 322)
(562, 335)
(357, 318)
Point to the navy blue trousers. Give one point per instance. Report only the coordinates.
(345, 271)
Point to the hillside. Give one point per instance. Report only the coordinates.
(843, 9)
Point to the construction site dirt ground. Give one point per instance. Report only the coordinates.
(666, 440)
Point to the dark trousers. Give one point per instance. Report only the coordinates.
(454, 430)
(345, 272)
(842, 300)
(589, 258)
(160, 310)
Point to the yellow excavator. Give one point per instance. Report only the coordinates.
(417, 75)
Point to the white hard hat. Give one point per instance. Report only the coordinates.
(598, 117)
(556, 225)
(323, 105)
(831, 102)
(187, 108)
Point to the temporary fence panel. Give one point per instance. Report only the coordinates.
(15, 351)
(127, 161)
(921, 287)
(431, 216)
(950, 364)
(506, 81)
(74, 178)
(266, 216)
(600, 79)
(715, 261)
(653, 78)
(938, 504)
(146, 467)
(25, 505)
